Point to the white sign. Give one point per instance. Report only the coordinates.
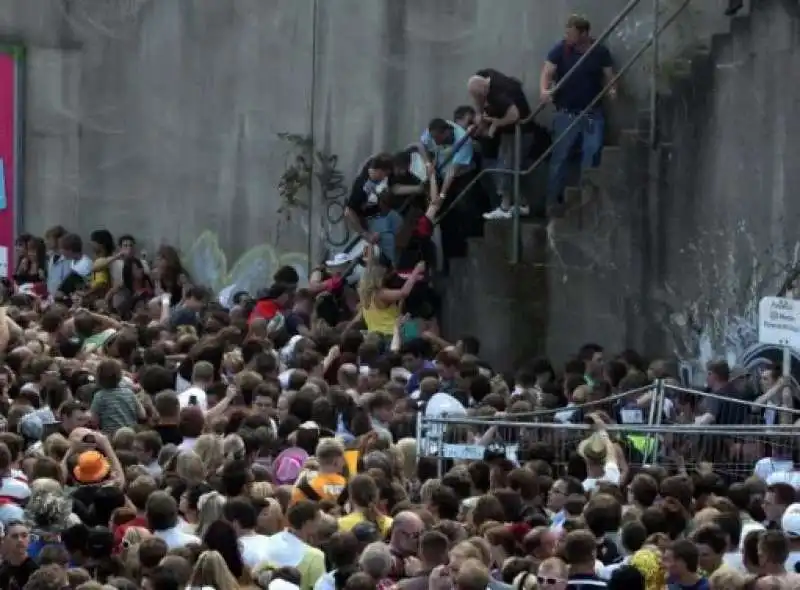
(473, 452)
(3, 262)
(779, 322)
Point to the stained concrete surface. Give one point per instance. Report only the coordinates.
(162, 117)
(677, 268)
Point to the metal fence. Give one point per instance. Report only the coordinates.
(661, 424)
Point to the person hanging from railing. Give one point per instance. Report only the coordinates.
(485, 150)
(380, 304)
(571, 99)
(369, 211)
(437, 144)
(500, 104)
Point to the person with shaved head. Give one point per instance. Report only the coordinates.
(407, 528)
(500, 104)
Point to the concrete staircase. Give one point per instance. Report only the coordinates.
(603, 243)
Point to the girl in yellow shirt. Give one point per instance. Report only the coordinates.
(364, 495)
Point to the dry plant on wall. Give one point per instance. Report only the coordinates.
(294, 186)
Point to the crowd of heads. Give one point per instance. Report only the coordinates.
(155, 437)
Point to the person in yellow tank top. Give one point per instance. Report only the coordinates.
(364, 495)
(380, 306)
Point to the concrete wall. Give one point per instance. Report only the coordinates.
(161, 117)
(728, 213)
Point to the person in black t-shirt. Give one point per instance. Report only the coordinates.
(17, 567)
(501, 103)
(369, 210)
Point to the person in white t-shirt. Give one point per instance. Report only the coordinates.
(242, 515)
(71, 246)
(790, 523)
(601, 464)
(202, 378)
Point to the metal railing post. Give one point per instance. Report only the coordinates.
(654, 79)
(515, 232)
(659, 417)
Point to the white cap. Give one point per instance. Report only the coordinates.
(790, 523)
(444, 403)
(342, 258)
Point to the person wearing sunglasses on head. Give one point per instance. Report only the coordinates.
(551, 575)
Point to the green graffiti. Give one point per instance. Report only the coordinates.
(208, 265)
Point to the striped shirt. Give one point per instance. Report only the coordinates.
(115, 408)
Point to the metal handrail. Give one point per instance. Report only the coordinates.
(600, 95)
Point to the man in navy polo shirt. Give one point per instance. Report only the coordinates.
(572, 98)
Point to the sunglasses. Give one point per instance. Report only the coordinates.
(542, 581)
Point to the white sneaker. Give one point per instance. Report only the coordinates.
(501, 213)
(498, 213)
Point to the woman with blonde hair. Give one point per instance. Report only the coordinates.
(209, 448)
(212, 572)
(380, 306)
(190, 468)
(270, 519)
(408, 451)
(726, 578)
(209, 509)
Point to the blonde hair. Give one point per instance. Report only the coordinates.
(371, 282)
(468, 550)
(525, 581)
(209, 448)
(408, 450)
(123, 439)
(211, 570)
(485, 548)
(45, 485)
(209, 509)
(261, 491)
(233, 447)
(727, 578)
(706, 516)
(275, 519)
(135, 535)
(190, 468)
(56, 446)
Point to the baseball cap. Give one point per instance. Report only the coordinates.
(790, 522)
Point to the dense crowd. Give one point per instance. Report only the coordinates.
(156, 438)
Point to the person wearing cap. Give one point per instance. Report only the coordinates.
(790, 525)
(335, 299)
(600, 455)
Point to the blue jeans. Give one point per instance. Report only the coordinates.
(590, 131)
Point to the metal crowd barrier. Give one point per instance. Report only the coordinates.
(661, 431)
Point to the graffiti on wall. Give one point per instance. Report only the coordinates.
(208, 265)
(722, 322)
